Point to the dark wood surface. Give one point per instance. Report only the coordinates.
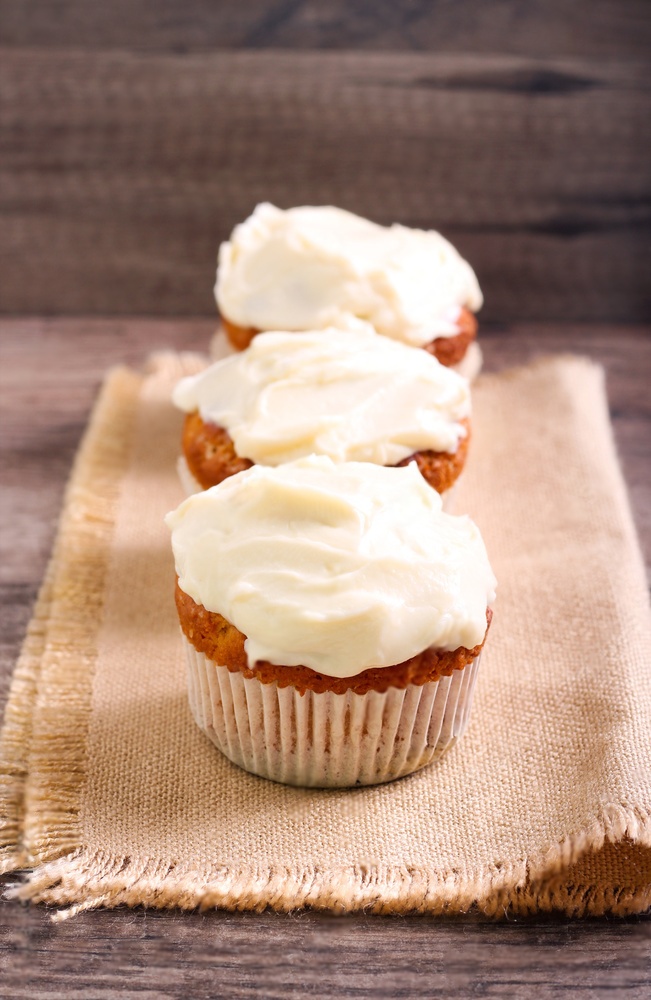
(122, 170)
(535, 28)
(148, 955)
(51, 370)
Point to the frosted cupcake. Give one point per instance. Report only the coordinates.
(308, 268)
(348, 394)
(333, 619)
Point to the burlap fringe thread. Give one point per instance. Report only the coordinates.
(531, 887)
(54, 675)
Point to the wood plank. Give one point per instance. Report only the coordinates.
(133, 954)
(121, 172)
(601, 28)
(50, 371)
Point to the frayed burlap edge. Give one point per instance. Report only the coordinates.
(67, 875)
(533, 886)
(15, 736)
(53, 676)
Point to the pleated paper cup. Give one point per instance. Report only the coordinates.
(448, 498)
(188, 482)
(220, 346)
(471, 363)
(327, 740)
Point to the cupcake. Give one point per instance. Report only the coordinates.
(308, 268)
(348, 394)
(333, 619)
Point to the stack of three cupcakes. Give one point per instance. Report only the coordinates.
(333, 613)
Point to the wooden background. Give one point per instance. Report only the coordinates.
(133, 135)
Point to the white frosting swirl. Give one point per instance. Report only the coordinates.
(335, 567)
(307, 268)
(351, 395)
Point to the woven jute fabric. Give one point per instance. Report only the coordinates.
(112, 795)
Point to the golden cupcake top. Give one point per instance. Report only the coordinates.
(311, 267)
(335, 567)
(348, 394)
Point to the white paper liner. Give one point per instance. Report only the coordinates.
(188, 482)
(448, 498)
(327, 740)
(220, 346)
(471, 363)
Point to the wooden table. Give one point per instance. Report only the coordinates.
(51, 370)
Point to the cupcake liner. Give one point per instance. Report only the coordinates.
(471, 363)
(327, 740)
(220, 346)
(448, 497)
(188, 482)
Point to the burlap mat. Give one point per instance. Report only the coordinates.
(110, 792)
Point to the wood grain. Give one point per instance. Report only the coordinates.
(51, 370)
(152, 955)
(122, 171)
(536, 28)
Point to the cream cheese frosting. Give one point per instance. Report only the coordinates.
(335, 567)
(349, 394)
(311, 267)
